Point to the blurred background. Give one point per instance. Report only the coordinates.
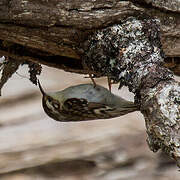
(35, 147)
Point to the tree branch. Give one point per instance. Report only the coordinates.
(131, 53)
(55, 28)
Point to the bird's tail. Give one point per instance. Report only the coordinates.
(128, 107)
(125, 108)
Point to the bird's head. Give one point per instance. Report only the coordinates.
(51, 104)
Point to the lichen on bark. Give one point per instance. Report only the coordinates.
(130, 53)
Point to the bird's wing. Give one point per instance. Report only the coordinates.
(90, 110)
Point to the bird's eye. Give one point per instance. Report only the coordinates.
(49, 99)
(55, 105)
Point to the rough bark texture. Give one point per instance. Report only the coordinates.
(50, 31)
(130, 53)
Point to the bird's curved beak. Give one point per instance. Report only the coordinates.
(41, 89)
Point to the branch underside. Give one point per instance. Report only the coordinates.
(131, 53)
(21, 53)
(55, 28)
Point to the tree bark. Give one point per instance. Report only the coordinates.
(130, 53)
(49, 32)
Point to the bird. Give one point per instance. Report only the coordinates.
(84, 102)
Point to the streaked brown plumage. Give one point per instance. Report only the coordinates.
(84, 102)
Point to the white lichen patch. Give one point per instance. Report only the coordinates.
(156, 56)
(134, 24)
(130, 29)
(133, 49)
(99, 35)
(2, 59)
(122, 74)
(112, 63)
(169, 103)
(116, 29)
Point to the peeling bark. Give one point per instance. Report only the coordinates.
(131, 53)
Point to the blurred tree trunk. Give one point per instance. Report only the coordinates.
(49, 32)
